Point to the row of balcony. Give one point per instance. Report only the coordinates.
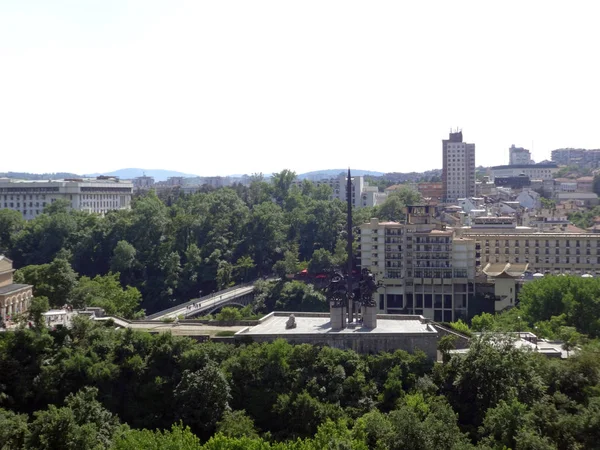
(558, 243)
(433, 248)
(537, 252)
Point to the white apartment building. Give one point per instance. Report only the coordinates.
(533, 171)
(98, 195)
(425, 269)
(458, 172)
(519, 155)
(371, 196)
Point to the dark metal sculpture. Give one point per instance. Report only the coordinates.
(336, 291)
(340, 290)
(368, 286)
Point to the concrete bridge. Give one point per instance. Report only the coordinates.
(240, 295)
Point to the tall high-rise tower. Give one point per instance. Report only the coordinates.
(458, 174)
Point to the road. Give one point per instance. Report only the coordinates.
(206, 304)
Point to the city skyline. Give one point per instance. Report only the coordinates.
(217, 89)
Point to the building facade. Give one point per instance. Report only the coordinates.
(500, 240)
(533, 171)
(576, 157)
(14, 298)
(143, 182)
(424, 268)
(519, 155)
(458, 172)
(434, 191)
(98, 195)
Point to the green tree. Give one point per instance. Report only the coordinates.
(81, 424)
(282, 182)
(171, 268)
(202, 397)
(503, 422)
(552, 296)
(303, 413)
(391, 209)
(492, 370)
(107, 293)
(55, 281)
(482, 322)
(237, 424)
(243, 266)
(124, 257)
(266, 234)
(39, 305)
(177, 438)
(229, 314)
(289, 264)
(445, 345)
(224, 275)
(13, 430)
(11, 222)
(321, 261)
(298, 296)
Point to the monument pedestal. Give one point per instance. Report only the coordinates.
(369, 315)
(338, 318)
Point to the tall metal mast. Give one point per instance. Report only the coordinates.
(349, 247)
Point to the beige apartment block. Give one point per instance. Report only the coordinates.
(424, 268)
(500, 240)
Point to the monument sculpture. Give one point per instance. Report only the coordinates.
(340, 294)
(291, 322)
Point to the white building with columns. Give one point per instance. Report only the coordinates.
(14, 298)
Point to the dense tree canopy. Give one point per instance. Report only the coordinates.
(95, 387)
(170, 249)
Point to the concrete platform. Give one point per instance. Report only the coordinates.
(393, 332)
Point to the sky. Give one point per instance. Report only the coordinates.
(232, 87)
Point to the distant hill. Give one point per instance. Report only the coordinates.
(335, 172)
(158, 174)
(38, 176)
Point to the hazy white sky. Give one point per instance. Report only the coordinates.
(221, 87)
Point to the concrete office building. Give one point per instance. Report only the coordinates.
(425, 269)
(458, 172)
(98, 195)
(519, 155)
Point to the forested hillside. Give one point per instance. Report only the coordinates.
(170, 249)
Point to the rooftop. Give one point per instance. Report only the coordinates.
(13, 288)
(505, 269)
(320, 324)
